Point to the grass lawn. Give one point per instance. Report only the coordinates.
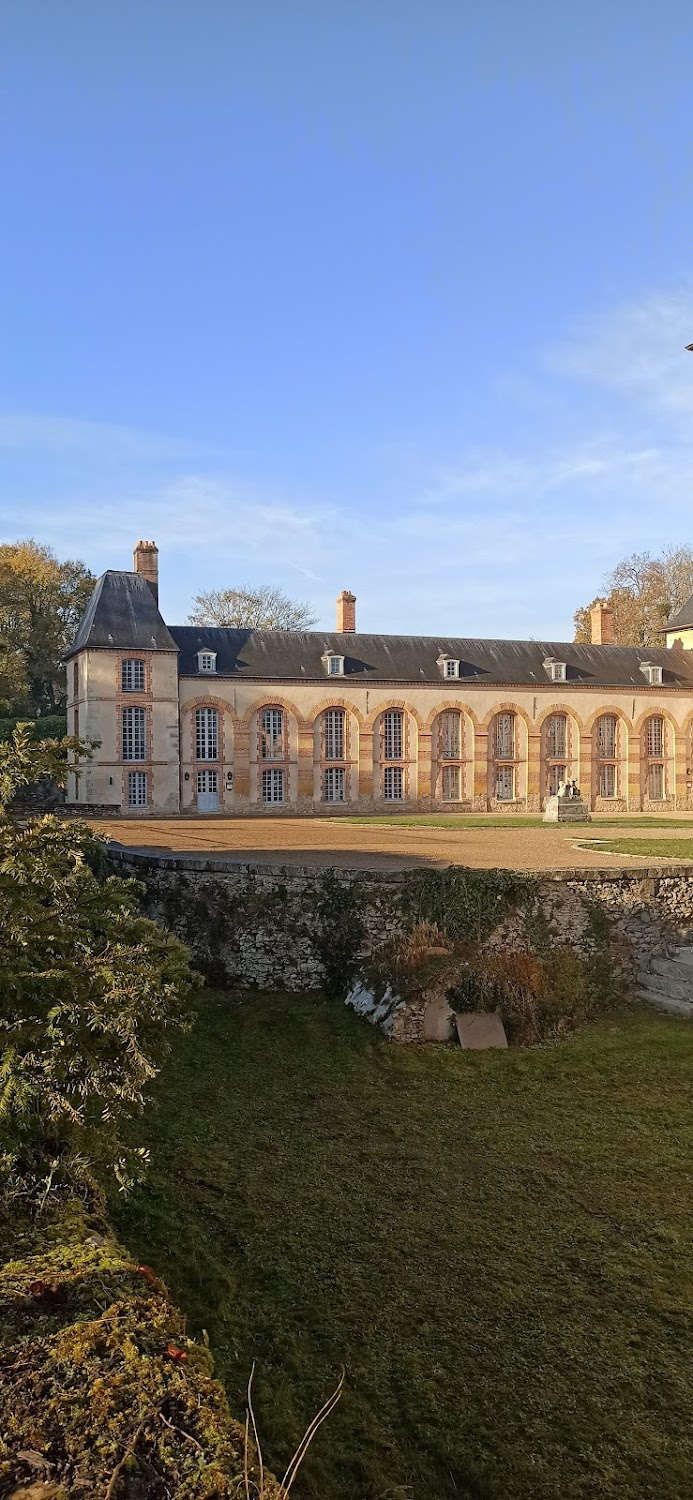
(498, 1247)
(519, 820)
(654, 848)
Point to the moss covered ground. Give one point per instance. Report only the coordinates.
(497, 1247)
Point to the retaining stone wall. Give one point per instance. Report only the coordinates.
(285, 927)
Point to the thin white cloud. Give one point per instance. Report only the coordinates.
(38, 432)
(638, 349)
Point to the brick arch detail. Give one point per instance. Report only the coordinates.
(383, 708)
(608, 708)
(559, 708)
(457, 707)
(275, 700)
(507, 708)
(222, 704)
(657, 713)
(328, 703)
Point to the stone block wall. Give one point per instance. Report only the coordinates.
(297, 928)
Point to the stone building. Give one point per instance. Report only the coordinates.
(246, 721)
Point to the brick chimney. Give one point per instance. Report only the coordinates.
(602, 624)
(346, 613)
(145, 560)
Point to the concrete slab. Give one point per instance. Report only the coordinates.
(480, 1029)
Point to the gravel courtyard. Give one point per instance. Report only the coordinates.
(325, 842)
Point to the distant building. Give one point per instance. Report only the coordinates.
(250, 721)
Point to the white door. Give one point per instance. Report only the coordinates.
(207, 792)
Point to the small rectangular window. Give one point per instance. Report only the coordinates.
(607, 781)
(393, 784)
(505, 736)
(208, 661)
(272, 734)
(207, 781)
(451, 736)
(134, 734)
(655, 736)
(137, 789)
(451, 784)
(75, 680)
(558, 671)
(333, 784)
(452, 668)
(505, 784)
(655, 782)
(132, 678)
(273, 786)
(206, 734)
(336, 666)
(607, 737)
(393, 734)
(333, 727)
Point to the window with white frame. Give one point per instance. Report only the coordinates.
(452, 667)
(393, 783)
(206, 734)
(505, 736)
(451, 783)
(393, 734)
(206, 661)
(607, 748)
(273, 786)
(272, 737)
(557, 737)
(334, 735)
(652, 673)
(334, 664)
(132, 675)
(505, 783)
(556, 669)
(450, 747)
(333, 784)
(134, 734)
(655, 736)
(137, 789)
(207, 781)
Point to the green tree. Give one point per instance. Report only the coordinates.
(88, 987)
(643, 591)
(41, 603)
(263, 608)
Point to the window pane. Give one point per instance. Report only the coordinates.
(505, 736)
(655, 736)
(451, 736)
(557, 774)
(333, 729)
(557, 738)
(206, 734)
(273, 786)
(451, 783)
(607, 781)
(607, 739)
(451, 669)
(393, 784)
(333, 784)
(134, 734)
(393, 734)
(272, 736)
(505, 784)
(655, 782)
(137, 789)
(133, 676)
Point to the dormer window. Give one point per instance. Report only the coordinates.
(334, 664)
(556, 669)
(206, 661)
(449, 665)
(652, 673)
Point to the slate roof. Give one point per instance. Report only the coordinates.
(684, 619)
(122, 613)
(295, 656)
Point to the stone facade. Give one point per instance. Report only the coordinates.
(370, 724)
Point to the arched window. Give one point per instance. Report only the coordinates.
(505, 753)
(333, 750)
(392, 752)
(557, 754)
(607, 755)
(206, 734)
(450, 755)
(654, 747)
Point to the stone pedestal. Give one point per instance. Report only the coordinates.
(566, 810)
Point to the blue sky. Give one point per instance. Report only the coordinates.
(373, 294)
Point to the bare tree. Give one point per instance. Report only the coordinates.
(263, 608)
(642, 592)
